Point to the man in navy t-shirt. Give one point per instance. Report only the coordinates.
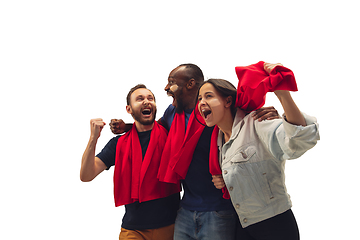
(204, 213)
(153, 219)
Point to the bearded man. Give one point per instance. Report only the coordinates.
(204, 213)
(150, 205)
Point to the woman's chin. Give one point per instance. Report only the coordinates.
(209, 123)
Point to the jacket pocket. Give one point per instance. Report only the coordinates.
(251, 188)
(244, 154)
(267, 187)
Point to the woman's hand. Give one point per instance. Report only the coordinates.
(268, 67)
(218, 181)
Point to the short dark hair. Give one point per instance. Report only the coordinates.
(193, 71)
(133, 89)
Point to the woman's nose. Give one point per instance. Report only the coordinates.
(201, 102)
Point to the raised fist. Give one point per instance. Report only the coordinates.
(96, 125)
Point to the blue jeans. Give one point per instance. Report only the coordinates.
(215, 225)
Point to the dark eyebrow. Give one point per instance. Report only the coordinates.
(205, 93)
(143, 96)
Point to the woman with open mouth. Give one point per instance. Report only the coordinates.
(249, 156)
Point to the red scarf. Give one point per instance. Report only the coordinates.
(214, 165)
(180, 147)
(254, 83)
(135, 179)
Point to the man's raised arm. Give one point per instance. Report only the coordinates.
(91, 166)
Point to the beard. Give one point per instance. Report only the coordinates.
(138, 117)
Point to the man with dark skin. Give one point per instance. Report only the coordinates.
(204, 213)
(187, 100)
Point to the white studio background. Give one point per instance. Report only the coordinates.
(65, 62)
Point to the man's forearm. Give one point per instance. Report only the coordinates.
(87, 171)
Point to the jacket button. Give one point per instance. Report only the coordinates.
(225, 171)
(237, 205)
(245, 220)
(231, 188)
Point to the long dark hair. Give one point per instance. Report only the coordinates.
(224, 88)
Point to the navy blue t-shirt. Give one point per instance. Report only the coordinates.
(146, 215)
(200, 194)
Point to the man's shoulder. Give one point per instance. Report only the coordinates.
(114, 140)
(168, 116)
(170, 110)
(162, 129)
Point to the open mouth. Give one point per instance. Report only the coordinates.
(206, 113)
(146, 112)
(170, 93)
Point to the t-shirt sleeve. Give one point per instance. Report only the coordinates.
(107, 154)
(167, 118)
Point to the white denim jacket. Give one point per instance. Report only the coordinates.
(253, 163)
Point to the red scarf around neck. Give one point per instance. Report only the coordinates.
(180, 146)
(135, 179)
(254, 83)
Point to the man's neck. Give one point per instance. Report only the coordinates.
(190, 101)
(143, 128)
